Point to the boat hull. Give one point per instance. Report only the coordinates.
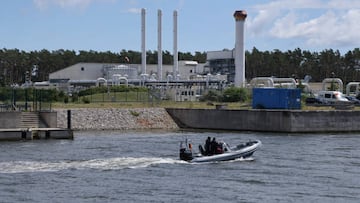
(242, 151)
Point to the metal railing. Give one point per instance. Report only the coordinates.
(24, 99)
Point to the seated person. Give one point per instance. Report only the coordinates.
(215, 147)
(207, 146)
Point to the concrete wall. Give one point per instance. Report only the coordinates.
(96, 119)
(325, 121)
(33, 134)
(13, 120)
(10, 119)
(48, 119)
(216, 119)
(267, 120)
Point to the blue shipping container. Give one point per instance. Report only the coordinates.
(276, 98)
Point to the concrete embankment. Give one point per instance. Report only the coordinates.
(268, 120)
(116, 119)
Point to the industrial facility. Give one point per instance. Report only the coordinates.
(183, 80)
(90, 74)
(186, 77)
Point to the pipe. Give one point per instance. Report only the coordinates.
(290, 81)
(124, 79)
(352, 84)
(266, 81)
(331, 80)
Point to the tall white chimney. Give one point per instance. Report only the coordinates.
(176, 66)
(240, 17)
(143, 51)
(159, 68)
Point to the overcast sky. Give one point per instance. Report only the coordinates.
(203, 25)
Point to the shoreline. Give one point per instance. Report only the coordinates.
(116, 119)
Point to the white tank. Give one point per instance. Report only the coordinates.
(123, 70)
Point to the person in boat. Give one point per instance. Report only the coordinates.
(220, 148)
(215, 147)
(207, 146)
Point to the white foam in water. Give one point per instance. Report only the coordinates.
(101, 164)
(245, 159)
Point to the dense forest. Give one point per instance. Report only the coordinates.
(15, 63)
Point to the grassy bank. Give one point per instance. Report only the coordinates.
(162, 104)
(172, 104)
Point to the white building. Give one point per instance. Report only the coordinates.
(89, 74)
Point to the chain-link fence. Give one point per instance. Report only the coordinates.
(31, 99)
(25, 99)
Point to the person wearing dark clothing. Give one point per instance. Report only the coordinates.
(207, 146)
(213, 146)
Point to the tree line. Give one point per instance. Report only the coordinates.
(299, 63)
(16, 65)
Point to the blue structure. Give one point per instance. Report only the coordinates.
(276, 98)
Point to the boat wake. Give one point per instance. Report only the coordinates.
(243, 159)
(97, 164)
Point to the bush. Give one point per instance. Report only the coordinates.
(134, 113)
(86, 100)
(235, 94)
(74, 97)
(212, 95)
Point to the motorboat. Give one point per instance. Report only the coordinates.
(225, 153)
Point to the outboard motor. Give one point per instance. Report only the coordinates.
(185, 151)
(185, 155)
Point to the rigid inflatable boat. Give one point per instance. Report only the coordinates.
(226, 152)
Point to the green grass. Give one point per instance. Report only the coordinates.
(173, 104)
(161, 104)
(117, 96)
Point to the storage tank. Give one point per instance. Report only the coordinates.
(123, 70)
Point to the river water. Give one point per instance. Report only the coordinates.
(116, 166)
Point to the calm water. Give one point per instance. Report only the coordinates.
(113, 166)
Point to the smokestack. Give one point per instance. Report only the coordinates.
(176, 68)
(240, 17)
(143, 51)
(159, 68)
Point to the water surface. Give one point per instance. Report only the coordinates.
(116, 166)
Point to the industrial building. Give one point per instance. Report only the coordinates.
(188, 84)
(181, 78)
(221, 62)
(90, 74)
